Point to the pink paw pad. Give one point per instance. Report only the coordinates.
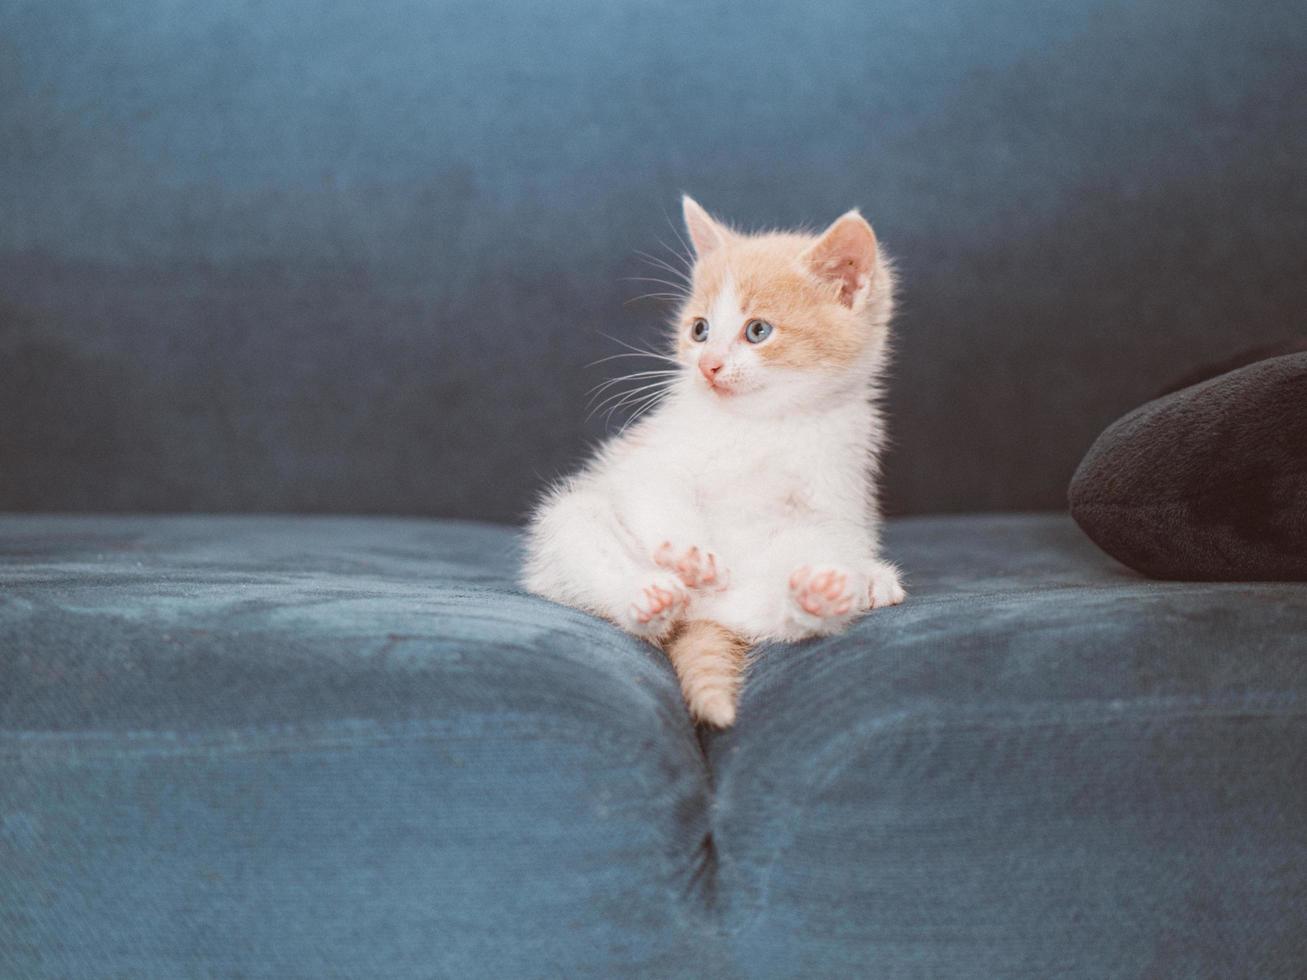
(696, 567)
(823, 593)
(658, 602)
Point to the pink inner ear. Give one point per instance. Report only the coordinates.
(705, 233)
(845, 254)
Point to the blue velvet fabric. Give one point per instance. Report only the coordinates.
(320, 255)
(1040, 766)
(332, 748)
(278, 747)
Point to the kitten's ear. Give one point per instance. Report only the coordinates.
(705, 232)
(845, 254)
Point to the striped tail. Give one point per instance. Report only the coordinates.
(709, 660)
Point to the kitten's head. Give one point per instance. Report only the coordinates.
(777, 321)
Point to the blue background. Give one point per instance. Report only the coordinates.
(336, 256)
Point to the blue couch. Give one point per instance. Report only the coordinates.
(295, 307)
(319, 747)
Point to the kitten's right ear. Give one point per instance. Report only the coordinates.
(845, 255)
(705, 232)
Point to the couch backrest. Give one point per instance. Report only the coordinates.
(348, 256)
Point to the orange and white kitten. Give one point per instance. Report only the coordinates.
(743, 508)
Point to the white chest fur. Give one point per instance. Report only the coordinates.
(737, 481)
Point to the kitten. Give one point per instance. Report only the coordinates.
(743, 507)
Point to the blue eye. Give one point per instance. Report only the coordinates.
(756, 331)
(699, 331)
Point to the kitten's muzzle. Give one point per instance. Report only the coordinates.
(710, 365)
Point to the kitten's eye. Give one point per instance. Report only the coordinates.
(756, 331)
(699, 331)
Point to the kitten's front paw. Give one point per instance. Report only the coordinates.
(697, 568)
(883, 587)
(826, 596)
(661, 603)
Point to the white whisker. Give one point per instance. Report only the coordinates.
(630, 400)
(621, 396)
(650, 405)
(634, 350)
(602, 397)
(648, 354)
(618, 396)
(663, 282)
(671, 297)
(634, 376)
(681, 274)
(634, 407)
(687, 256)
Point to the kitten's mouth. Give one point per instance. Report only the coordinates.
(720, 389)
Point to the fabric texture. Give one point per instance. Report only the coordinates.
(320, 747)
(337, 256)
(1209, 482)
(1038, 766)
(276, 748)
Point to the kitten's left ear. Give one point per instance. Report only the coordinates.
(705, 232)
(845, 255)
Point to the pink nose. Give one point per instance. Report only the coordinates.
(709, 365)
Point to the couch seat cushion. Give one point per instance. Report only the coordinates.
(320, 747)
(1040, 765)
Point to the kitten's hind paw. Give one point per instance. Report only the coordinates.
(826, 598)
(661, 602)
(697, 568)
(883, 586)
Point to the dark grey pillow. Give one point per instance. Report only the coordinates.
(1209, 482)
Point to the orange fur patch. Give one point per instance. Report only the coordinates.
(709, 660)
(813, 328)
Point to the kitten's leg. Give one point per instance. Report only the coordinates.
(660, 606)
(829, 597)
(661, 522)
(824, 599)
(808, 581)
(696, 567)
(883, 585)
(801, 582)
(579, 554)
